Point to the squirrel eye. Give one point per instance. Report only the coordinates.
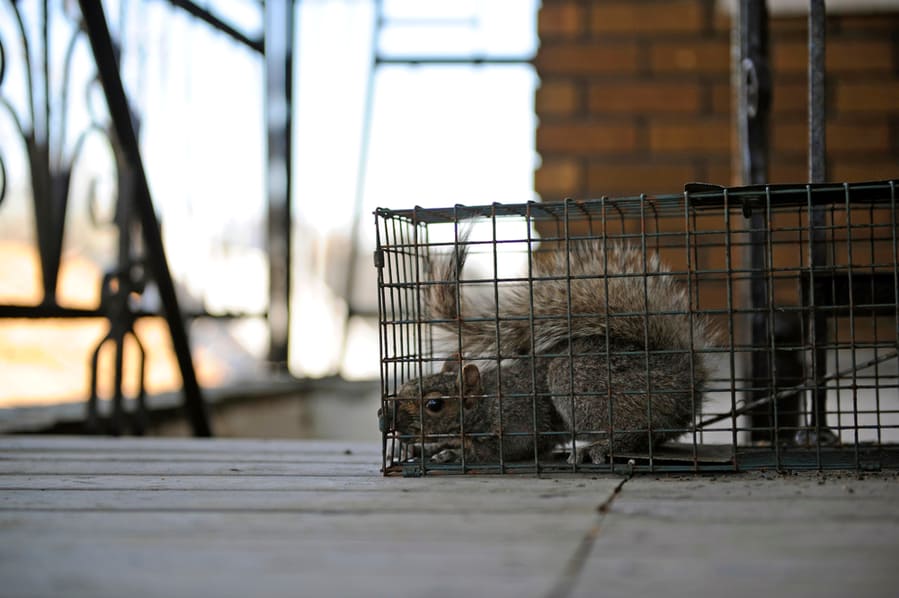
(434, 405)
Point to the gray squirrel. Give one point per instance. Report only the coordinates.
(612, 312)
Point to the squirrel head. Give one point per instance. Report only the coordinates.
(434, 405)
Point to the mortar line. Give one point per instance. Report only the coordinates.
(575, 565)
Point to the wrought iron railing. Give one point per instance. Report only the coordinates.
(44, 130)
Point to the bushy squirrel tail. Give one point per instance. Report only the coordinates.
(596, 288)
(447, 306)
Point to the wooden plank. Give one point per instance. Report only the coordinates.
(507, 485)
(779, 536)
(251, 554)
(455, 527)
(140, 483)
(833, 486)
(115, 467)
(99, 517)
(298, 501)
(150, 456)
(295, 496)
(182, 445)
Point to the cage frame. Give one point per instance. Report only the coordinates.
(696, 200)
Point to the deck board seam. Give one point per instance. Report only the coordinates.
(575, 564)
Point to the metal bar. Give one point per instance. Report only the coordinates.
(497, 340)
(453, 60)
(566, 243)
(279, 30)
(818, 216)
(691, 302)
(34, 312)
(852, 351)
(645, 317)
(770, 364)
(418, 336)
(753, 113)
(107, 66)
(607, 342)
(787, 391)
(48, 311)
(817, 147)
(50, 181)
(532, 350)
(217, 23)
(728, 253)
(755, 91)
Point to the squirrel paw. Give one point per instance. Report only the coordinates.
(596, 452)
(826, 437)
(447, 456)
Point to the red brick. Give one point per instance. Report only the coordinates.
(702, 136)
(790, 98)
(788, 26)
(561, 19)
(644, 96)
(795, 170)
(850, 55)
(612, 178)
(558, 178)
(841, 137)
(700, 56)
(789, 56)
(557, 97)
(585, 138)
(788, 170)
(842, 55)
(719, 173)
(586, 59)
(864, 170)
(867, 96)
(722, 98)
(721, 21)
(868, 23)
(627, 17)
(789, 137)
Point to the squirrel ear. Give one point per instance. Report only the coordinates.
(471, 384)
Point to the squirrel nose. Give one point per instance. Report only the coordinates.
(382, 421)
(386, 419)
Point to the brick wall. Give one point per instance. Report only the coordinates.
(862, 98)
(635, 97)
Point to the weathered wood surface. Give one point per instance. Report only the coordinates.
(145, 517)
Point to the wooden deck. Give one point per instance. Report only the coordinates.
(154, 517)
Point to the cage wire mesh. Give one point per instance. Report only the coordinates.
(721, 329)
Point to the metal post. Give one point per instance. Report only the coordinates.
(107, 66)
(755, 91)
(279, 29)
(753, 122)
(816, 110)
(818, 432)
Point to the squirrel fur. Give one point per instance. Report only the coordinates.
(609, 310)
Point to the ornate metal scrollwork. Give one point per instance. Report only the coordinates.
(44, 131)
(3, 177)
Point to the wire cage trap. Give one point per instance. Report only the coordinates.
(721, 329)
